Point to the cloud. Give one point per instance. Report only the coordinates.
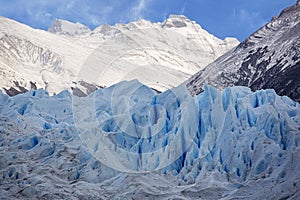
(138, 9)
(96, 15)
(41, 13)
(252, 19)
(247, 16)
(183, 8)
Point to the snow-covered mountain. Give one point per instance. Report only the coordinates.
(269, 58)
(70, 55)
(127, 142)
(65, 27)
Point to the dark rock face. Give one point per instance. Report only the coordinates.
(17, 89)
(12, 91)
(33, 85)
(83, 88)
(269, 58)
(286, 82)
(80, 88)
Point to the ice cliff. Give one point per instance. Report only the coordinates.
(127, 141)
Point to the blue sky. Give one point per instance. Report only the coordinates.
(237, 18)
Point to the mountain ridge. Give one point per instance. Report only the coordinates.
(65, 27)
(269, 58)
(108, 54)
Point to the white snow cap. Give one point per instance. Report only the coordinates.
(176, 21)
(65, 27)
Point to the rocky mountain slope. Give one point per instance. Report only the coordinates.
(269, 58)
(70, 55)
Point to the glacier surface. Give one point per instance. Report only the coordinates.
(127, 141)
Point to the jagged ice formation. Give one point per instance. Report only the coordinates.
(242, 145)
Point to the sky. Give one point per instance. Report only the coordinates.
(222, 18)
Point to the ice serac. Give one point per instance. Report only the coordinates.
(134, 129)
(269, 58)
(245, 144)
(70, 54)
(64, 27)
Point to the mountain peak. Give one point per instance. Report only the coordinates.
(176, 21)
(106, 30)
(140, 44)
(65, 27)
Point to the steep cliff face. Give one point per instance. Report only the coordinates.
(269, 58)
(23, 61)
(70, 55)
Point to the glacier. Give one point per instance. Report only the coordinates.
(127, 141)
